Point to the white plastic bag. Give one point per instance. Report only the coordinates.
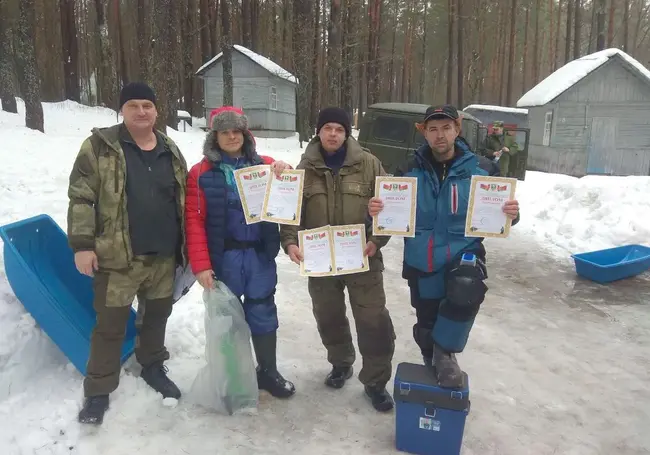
(228, 382)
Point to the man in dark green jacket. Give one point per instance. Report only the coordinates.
(125, 226)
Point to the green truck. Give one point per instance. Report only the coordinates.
(388, 130)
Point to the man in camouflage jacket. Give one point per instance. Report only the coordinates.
(339, 182)
(125, 226)
(501, 146)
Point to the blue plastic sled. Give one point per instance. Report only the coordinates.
(40, 268)
(604, 266)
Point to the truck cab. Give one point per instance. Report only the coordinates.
(388, 130)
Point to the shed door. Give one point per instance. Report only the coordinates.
(602, 146)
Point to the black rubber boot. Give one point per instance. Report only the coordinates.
(380, 398)
(156, 376)
(338, 376)
(268, 377)
(448, 372)
(93, 410)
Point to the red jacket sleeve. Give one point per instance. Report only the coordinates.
(195, 235)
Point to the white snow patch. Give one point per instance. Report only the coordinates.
(264, 62)
(488, 107)
(585, 214)
(572, 73)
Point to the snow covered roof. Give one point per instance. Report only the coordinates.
(264, 62)
(488, 107)
(572, 73)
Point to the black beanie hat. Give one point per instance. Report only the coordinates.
(136, 91)
(334, 115)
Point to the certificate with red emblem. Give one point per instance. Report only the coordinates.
(251, 185)
(399, 195)
(485, 217)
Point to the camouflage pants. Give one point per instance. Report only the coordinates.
(375, 333)
(151, 278)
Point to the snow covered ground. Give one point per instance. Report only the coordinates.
(557, 365)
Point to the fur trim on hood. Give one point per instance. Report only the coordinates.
(212, 151)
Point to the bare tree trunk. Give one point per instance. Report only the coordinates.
(108, 75)
(7, 76)
(578, 29)
(334, 54)
(226, 45)
(302, 35)
(165, 20)
(246, 23)
(450, 55)
(123, 67)
(206, 45)
(255, 25)
(143, 45)
(350, 53)
(600, 41)
(70, 49)
(189, 44)
(610, 30)
(391, 71)
(27, 67)
(214, 26)
(567, 44)
(626, 25)
(551, 58)
(511, 53)
(459, 44)
(315, 78)
(286, 27)
(556, 51)
(525, 58)
(423, 55)
(536, 44)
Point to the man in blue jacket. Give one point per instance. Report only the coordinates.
(445, 270)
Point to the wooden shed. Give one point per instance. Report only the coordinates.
(592, 116)
(264, 90)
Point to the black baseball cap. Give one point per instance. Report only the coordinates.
(443, 111)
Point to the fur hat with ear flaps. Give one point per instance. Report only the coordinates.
(227, 118)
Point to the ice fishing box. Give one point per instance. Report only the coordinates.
(429, 419)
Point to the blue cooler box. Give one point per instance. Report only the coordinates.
(430, 420)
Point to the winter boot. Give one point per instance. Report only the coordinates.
(268, 377)
(448, 372)
(93, 410)
(379, 397)
(337, 377)
(156, 376)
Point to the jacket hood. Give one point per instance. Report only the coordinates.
(213, 153)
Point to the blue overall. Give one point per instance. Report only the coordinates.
(242, 255)
(440, 240)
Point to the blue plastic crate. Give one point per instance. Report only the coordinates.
(429, 419)
(40, 268)
(611, 264)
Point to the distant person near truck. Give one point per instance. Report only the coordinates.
(501, 147)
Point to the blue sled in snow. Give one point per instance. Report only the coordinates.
(40, 268)
(611, 264)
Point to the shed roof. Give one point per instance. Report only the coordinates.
(488, 107)
(573, 72)
(262, 61)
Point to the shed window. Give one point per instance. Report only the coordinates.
(548, 121)
(273, 99)
(391, 129)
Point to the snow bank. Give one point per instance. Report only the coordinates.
(584, 214)
(572, 73)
